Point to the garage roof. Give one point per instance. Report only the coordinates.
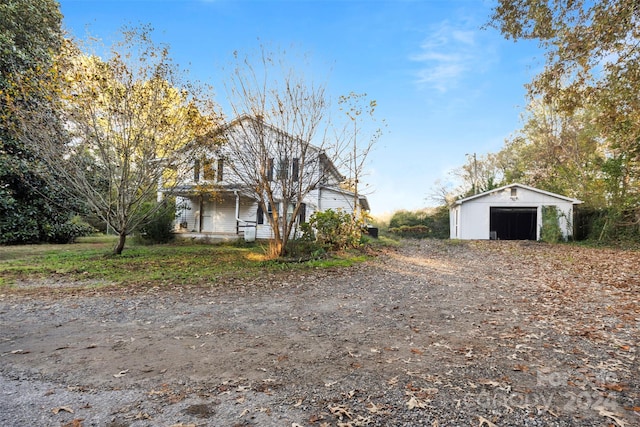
(537, 190)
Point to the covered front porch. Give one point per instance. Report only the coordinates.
(220, 215)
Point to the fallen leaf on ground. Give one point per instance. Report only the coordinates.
(613, 416)
(416, 403)
(121, 374)
(378, 409)
(484, 421)
(340, 411)
(62, 408)
(489, 382)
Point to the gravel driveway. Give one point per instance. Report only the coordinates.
(434, 333)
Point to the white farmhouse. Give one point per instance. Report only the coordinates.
(219, 198)
(512, 212)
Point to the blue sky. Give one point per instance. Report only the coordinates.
(444, 86)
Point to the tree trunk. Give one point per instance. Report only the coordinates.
(120, 246)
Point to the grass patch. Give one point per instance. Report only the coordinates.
(385, 240)
(174, 264)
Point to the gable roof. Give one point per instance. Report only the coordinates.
(329, 165)
(516, 185)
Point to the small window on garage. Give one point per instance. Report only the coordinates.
(514, 192)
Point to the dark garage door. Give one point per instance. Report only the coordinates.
(513, 223)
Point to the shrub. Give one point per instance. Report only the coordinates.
(412, 231)
(304, 250)
(159, 227)
(69, 231)
(407, 218)
(550, 231)
(611, 225)
(336, 230)
(433, 223)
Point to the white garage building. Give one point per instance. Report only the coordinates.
(512, 212)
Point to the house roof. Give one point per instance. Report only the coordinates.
(526, 187)
(326, 161)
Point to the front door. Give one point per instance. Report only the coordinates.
(210, 217)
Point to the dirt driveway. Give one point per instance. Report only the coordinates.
(434, 333)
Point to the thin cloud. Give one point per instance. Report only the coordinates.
(448, 55)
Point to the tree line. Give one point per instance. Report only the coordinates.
(581, 128)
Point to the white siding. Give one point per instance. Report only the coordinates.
(473, 220)
(332, 199)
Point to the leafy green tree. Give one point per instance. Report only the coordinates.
(132, 126)
(479, 174)
(592, 64)
(406, 218)
(30, 207)
(557, 151)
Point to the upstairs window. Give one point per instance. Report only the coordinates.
(283, 168)
(273, 208)
(295, 169)
(208, 170)
(220, 172)
(270, 169)
(196, 170)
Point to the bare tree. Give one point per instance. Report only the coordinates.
(442, 193)
(279, 143)
(128, 124)
(358, 140)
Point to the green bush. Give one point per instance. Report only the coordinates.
(421, 224)
(609, 225)
(69, 231)
(159, 227)
(336, 230)
(304, 250)
(550, 231)
(406, 218)
(438, 222)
